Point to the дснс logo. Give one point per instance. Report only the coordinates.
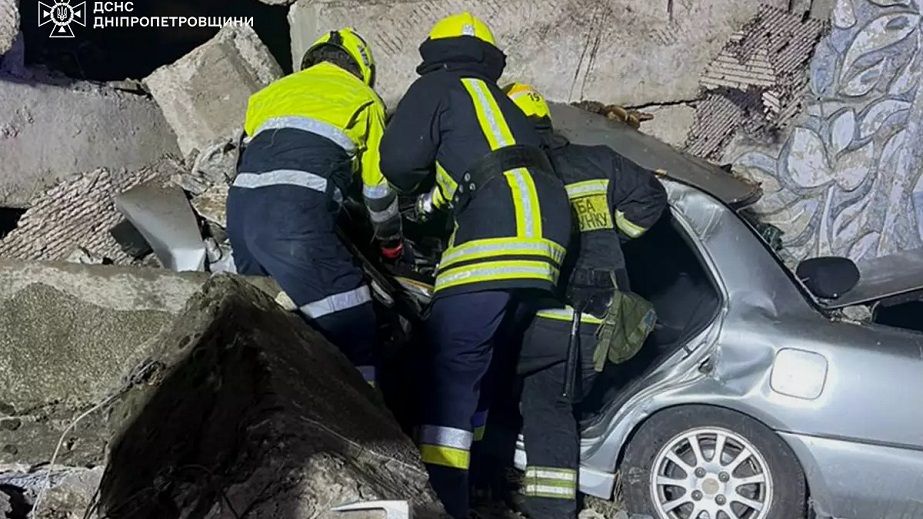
(62, 14)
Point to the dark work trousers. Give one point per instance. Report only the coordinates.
(463, 328)
(549, 427)
(288, 232)
(496, 422)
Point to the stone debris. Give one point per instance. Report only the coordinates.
(247, 399)
(90, 126)
(618, 51)
(69, 334)
(84, 257)
(9, 25)
(253, 389)
(78, 212)
(204, 94)
(211, 205)
(757, 82)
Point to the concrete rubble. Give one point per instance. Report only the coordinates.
(90, 126)
(204, 94)
(78, 212)
(615, 51)
(9, 25)
(249, 403)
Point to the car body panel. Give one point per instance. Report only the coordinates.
(872, 375)
(857, 480)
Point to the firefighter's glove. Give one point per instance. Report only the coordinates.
(425, 207)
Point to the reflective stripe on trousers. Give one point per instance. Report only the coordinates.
(317, 127)
(567, 314)
(287, 177)
(445, 446)
(551, 482)
(337, 302)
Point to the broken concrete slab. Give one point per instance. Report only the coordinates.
(671, 123)
(617, 51)
(254, 411)
(69, 334)
(204, 95)
(48, 133)
(78, 212)
(9, 25)
(163, 216)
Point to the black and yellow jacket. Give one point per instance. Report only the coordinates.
(613, 199)
(514, 231)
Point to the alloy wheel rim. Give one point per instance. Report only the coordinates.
(710, 473)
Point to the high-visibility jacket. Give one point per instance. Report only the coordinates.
(612, 199)
(514, 231)
(321, 124)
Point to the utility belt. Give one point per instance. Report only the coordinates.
(494, 165)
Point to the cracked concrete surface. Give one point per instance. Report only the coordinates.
(612, 51)
(50, 132)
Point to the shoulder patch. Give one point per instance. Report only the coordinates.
(590, 203)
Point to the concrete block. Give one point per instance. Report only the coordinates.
(48, 133)
(613, 51)
(204, 94)
(256, 398)
(68, 335)
(9, 24)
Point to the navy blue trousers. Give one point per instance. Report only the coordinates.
(288, 232)
(463, 329)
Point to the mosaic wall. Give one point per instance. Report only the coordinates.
(845, 178)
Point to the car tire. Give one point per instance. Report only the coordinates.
(655, 481)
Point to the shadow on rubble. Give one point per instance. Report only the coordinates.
(253, 415)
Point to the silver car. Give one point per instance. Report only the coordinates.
(754, 398)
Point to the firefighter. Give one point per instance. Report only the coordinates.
(310, 134)
(457, 129)
(612, 199)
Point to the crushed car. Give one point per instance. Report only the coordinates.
(757, 396)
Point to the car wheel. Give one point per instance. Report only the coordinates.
(702, 462)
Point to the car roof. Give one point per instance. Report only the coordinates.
(582, 127)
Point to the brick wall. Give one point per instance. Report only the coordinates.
(78, 212)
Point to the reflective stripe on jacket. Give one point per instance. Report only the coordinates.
(609, 195)
(328, 102)
(513, 232)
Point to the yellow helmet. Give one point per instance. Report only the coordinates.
(462, 24)
(348, 40)
(528, 99)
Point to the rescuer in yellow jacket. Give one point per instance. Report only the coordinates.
(455, 127)
(310, 135)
